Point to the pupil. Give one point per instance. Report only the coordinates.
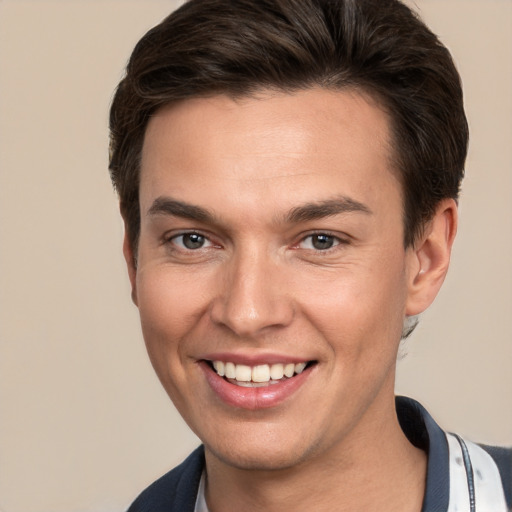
(322, 241)
(193, 241)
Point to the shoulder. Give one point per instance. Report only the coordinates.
(502, 457)
(176, 491)
(479, 478)
(460, 474)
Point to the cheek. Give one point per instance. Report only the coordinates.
(360, 310)
(168, 301)
(169, 310)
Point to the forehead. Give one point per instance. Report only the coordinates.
(306, 144)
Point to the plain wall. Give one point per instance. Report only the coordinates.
(84, 423)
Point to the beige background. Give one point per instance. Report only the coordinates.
(84, 424)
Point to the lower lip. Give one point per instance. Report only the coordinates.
(253, 398)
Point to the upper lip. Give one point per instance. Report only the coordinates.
(253, 359)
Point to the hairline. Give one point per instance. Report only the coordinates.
(368, 93)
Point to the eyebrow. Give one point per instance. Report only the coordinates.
(327, 208)
(169, 206)
(303, 213)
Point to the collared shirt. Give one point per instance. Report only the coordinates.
(201, 505)
(461, 476)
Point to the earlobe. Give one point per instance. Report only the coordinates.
(430, 258)
(131, 264)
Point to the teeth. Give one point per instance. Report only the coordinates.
(243, 373)
(261, 374)
(276, 371)
(289, 370)
(299, 368)
(255, 384)
(229, 370)
(219, 367)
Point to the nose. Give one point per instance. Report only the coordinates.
(253, 295)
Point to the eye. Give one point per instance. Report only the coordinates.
(191, 241)
(319, 242)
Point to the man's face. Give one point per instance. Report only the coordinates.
(272, 235)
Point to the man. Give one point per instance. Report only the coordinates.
(288, 172)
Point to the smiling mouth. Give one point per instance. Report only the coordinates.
(258, 375)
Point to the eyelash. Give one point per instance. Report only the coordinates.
(171, 240)
(336, 240)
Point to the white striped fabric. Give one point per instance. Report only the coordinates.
(475, 482)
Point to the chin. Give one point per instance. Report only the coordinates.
(256, 461)
(262, 452)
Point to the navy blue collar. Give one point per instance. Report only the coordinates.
(423, 432)
(177, 490)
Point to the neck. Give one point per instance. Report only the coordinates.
(375, 468)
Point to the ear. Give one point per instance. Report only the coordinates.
(131, 263)
(429, 258)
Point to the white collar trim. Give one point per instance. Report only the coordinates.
(201, 500)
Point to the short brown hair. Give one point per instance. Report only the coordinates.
(239, 47)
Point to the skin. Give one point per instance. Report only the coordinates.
(259, 286)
